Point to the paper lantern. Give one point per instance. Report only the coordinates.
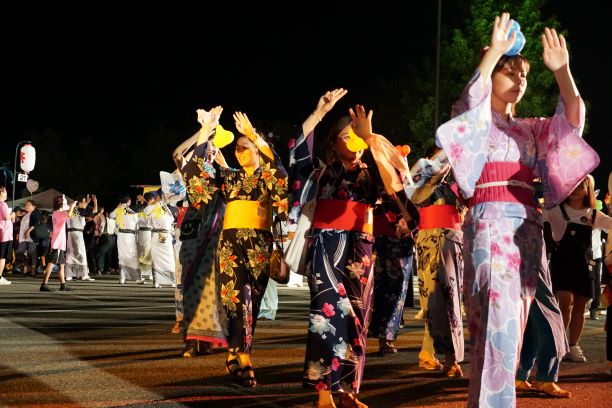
(27, 158)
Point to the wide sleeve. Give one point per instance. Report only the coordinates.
(302, 179)
(465, 137)
(564, 158)
(603, 222)
(202, 178)
(276, 178)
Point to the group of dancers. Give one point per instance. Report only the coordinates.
(494, 254)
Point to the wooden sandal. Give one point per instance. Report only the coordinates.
(523, 385)
(247, 375)
(232, 366)
(552, 389)
(350, 401)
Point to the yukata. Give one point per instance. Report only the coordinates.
(143, 242)
(245, 243)
(494, 163)
(439, 246)
(162, 250)
(338, 266)
(392, 272)
(178, 268)
(544, 340)
(204, 317)
(126, 222)
(76, 253)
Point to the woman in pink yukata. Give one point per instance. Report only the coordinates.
(495, 158)
(57, 253)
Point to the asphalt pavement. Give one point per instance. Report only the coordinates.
(109, 345)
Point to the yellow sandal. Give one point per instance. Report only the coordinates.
(552, 389)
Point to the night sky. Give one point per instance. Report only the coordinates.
(113, 73)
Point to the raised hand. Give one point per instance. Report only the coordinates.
(328, 100)
(554, 50)
(500, 43)
(211, 118)
(361, 122)
(243, 125)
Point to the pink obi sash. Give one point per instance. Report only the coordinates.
(343, 215)
(506, 182)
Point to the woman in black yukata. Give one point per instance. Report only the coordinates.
(251, 194)
(339, 257)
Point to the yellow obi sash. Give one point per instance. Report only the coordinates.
(247, 214)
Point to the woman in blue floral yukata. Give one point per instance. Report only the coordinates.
(339, 257)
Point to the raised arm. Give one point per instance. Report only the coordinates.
(244, 126)
(178, 155)
(556, 59)
(500, 43)
(208, 120)
(325, 104)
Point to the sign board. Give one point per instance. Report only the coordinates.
(22, 177)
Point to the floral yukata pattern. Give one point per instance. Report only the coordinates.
(502, 240)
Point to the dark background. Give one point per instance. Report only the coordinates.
(121, 86)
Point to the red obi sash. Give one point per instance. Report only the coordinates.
(382, 226)
(439, 216)
(505, 182)
(343, 215)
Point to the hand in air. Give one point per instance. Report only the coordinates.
(328, 100)
(361, 122)
(243, 125)
(499, 37)
(210, 118)
(554, 50)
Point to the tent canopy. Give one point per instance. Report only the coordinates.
(43, 200)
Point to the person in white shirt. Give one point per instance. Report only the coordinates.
(127, 220)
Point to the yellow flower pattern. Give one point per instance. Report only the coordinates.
(259, 258)
(229, 296)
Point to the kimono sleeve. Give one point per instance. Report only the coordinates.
(464, 138)
(277, 184)
(202, 179)
(564, 158)
(302, 177)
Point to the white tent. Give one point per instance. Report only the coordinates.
(43, 200)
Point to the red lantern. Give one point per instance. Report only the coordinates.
(27, 158)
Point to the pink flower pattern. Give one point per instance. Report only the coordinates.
(497, 229)
(328, 310)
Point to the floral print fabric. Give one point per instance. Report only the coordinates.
(503, 241)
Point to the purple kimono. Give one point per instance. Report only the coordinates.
(503, 243)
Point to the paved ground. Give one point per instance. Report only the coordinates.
(109, 345)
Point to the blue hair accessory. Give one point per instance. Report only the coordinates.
(519, 41)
